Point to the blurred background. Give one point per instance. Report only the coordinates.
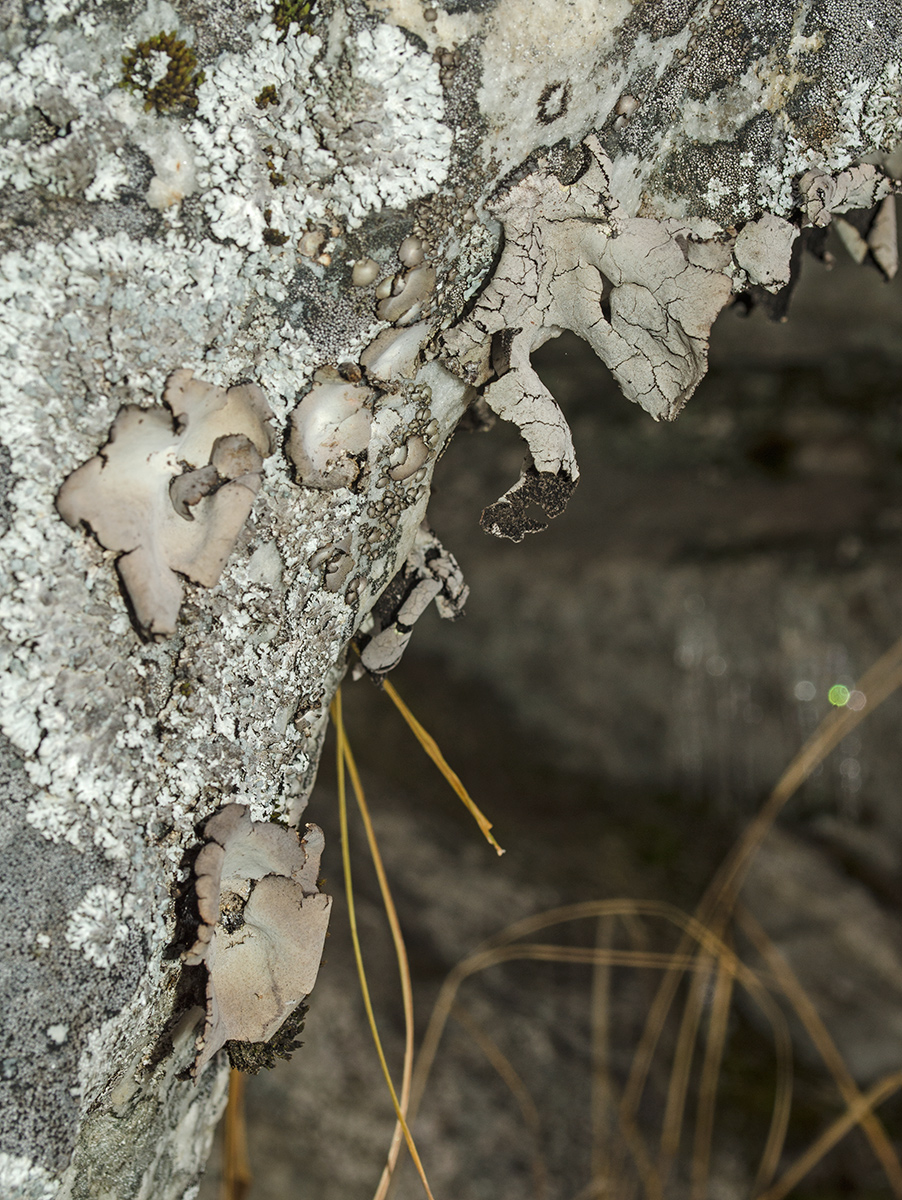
(623, 693)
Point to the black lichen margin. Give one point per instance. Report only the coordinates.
(285, 13)
(251, 1056)
(509, 517)
(177, 87)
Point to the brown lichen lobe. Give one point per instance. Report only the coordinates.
(263, 925)
(171, 489)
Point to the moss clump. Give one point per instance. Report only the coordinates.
(269, 95)
(285, 13)
(251, 1056)
(164, 70)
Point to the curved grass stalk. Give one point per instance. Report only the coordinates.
(358, 956)
(403, 965)
(716, 906)
(506, 947)
(784, 975)
(854, 1115)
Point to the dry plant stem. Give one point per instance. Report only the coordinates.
(879, 682)
(352, 920)
(236, 1172)
(871, 1124)
(517, 1088)
(403, 966)
(704, 1125)
(602, 1103)
(678, 1084)
(854, 1115)
(502, 948)
(430, 745)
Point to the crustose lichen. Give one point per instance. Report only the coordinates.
(164, 70)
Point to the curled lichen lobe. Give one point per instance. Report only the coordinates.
(164, 70)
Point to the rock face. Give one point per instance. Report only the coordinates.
(192, 188)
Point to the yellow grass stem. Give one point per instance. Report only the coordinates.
(403, 965)
(358, 956)
(602, 1093)
(430, 745)
(236, 1171)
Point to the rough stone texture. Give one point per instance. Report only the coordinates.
(217, 233)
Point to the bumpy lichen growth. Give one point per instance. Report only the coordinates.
(287, 12)
(164, 70)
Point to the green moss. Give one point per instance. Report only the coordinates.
(285, 13)
(273, 237)
(269, 95)
(140, 71)
(251, 1056)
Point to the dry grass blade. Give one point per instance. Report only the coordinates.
(236, 1171)
(403, 967)
(355, 938)
(877, 684)
(429, 744)
(602, 1101)
(710, 1076)
(678, 1085)
(505, 948)
(516, 1087)
(826, 1047)
(853, 1116)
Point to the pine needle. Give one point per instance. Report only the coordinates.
(429, 744)
(358, 955)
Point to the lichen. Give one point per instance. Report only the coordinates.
(252, 1056)
(164, 70)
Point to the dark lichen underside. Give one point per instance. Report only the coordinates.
(251, 1056)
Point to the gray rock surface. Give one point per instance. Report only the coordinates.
(188, 186)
